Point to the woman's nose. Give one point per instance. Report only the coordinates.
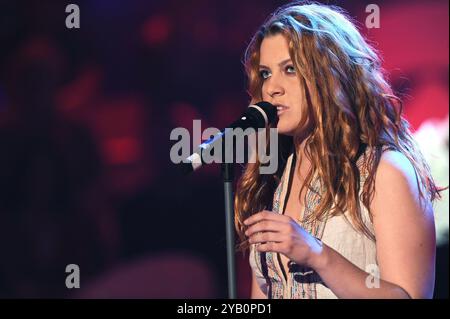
(274, 87)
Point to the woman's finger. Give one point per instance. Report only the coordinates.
(265, 214)
(270, 247)
(266, 237)
(265, 225)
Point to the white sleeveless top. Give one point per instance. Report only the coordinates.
(337, 232)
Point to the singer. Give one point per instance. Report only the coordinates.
(348, 214)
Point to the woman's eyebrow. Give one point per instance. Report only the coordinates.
(281, 64)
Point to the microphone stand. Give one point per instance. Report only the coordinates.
(258, 115)
(227, 176)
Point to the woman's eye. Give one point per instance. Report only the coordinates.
(290, 69)
(264, 74)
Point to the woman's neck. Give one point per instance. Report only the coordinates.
(303, 164)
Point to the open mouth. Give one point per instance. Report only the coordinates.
(281, 108)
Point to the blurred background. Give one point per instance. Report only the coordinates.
(85, 119)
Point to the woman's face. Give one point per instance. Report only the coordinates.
(281, 84)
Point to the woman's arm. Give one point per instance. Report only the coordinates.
(405, 233)
(405, 240)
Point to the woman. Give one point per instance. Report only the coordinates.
(349, 213)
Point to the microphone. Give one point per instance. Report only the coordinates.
(256, 116)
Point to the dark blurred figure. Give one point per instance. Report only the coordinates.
(53, 210)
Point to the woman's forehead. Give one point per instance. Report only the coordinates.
(274, 49)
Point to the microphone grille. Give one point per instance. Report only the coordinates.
(270, 111)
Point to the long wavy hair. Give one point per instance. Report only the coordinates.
(351, 107)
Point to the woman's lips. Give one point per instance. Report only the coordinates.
(281, 108)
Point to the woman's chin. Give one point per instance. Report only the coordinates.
(284, 130)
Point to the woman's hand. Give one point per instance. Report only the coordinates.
(280, 233)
